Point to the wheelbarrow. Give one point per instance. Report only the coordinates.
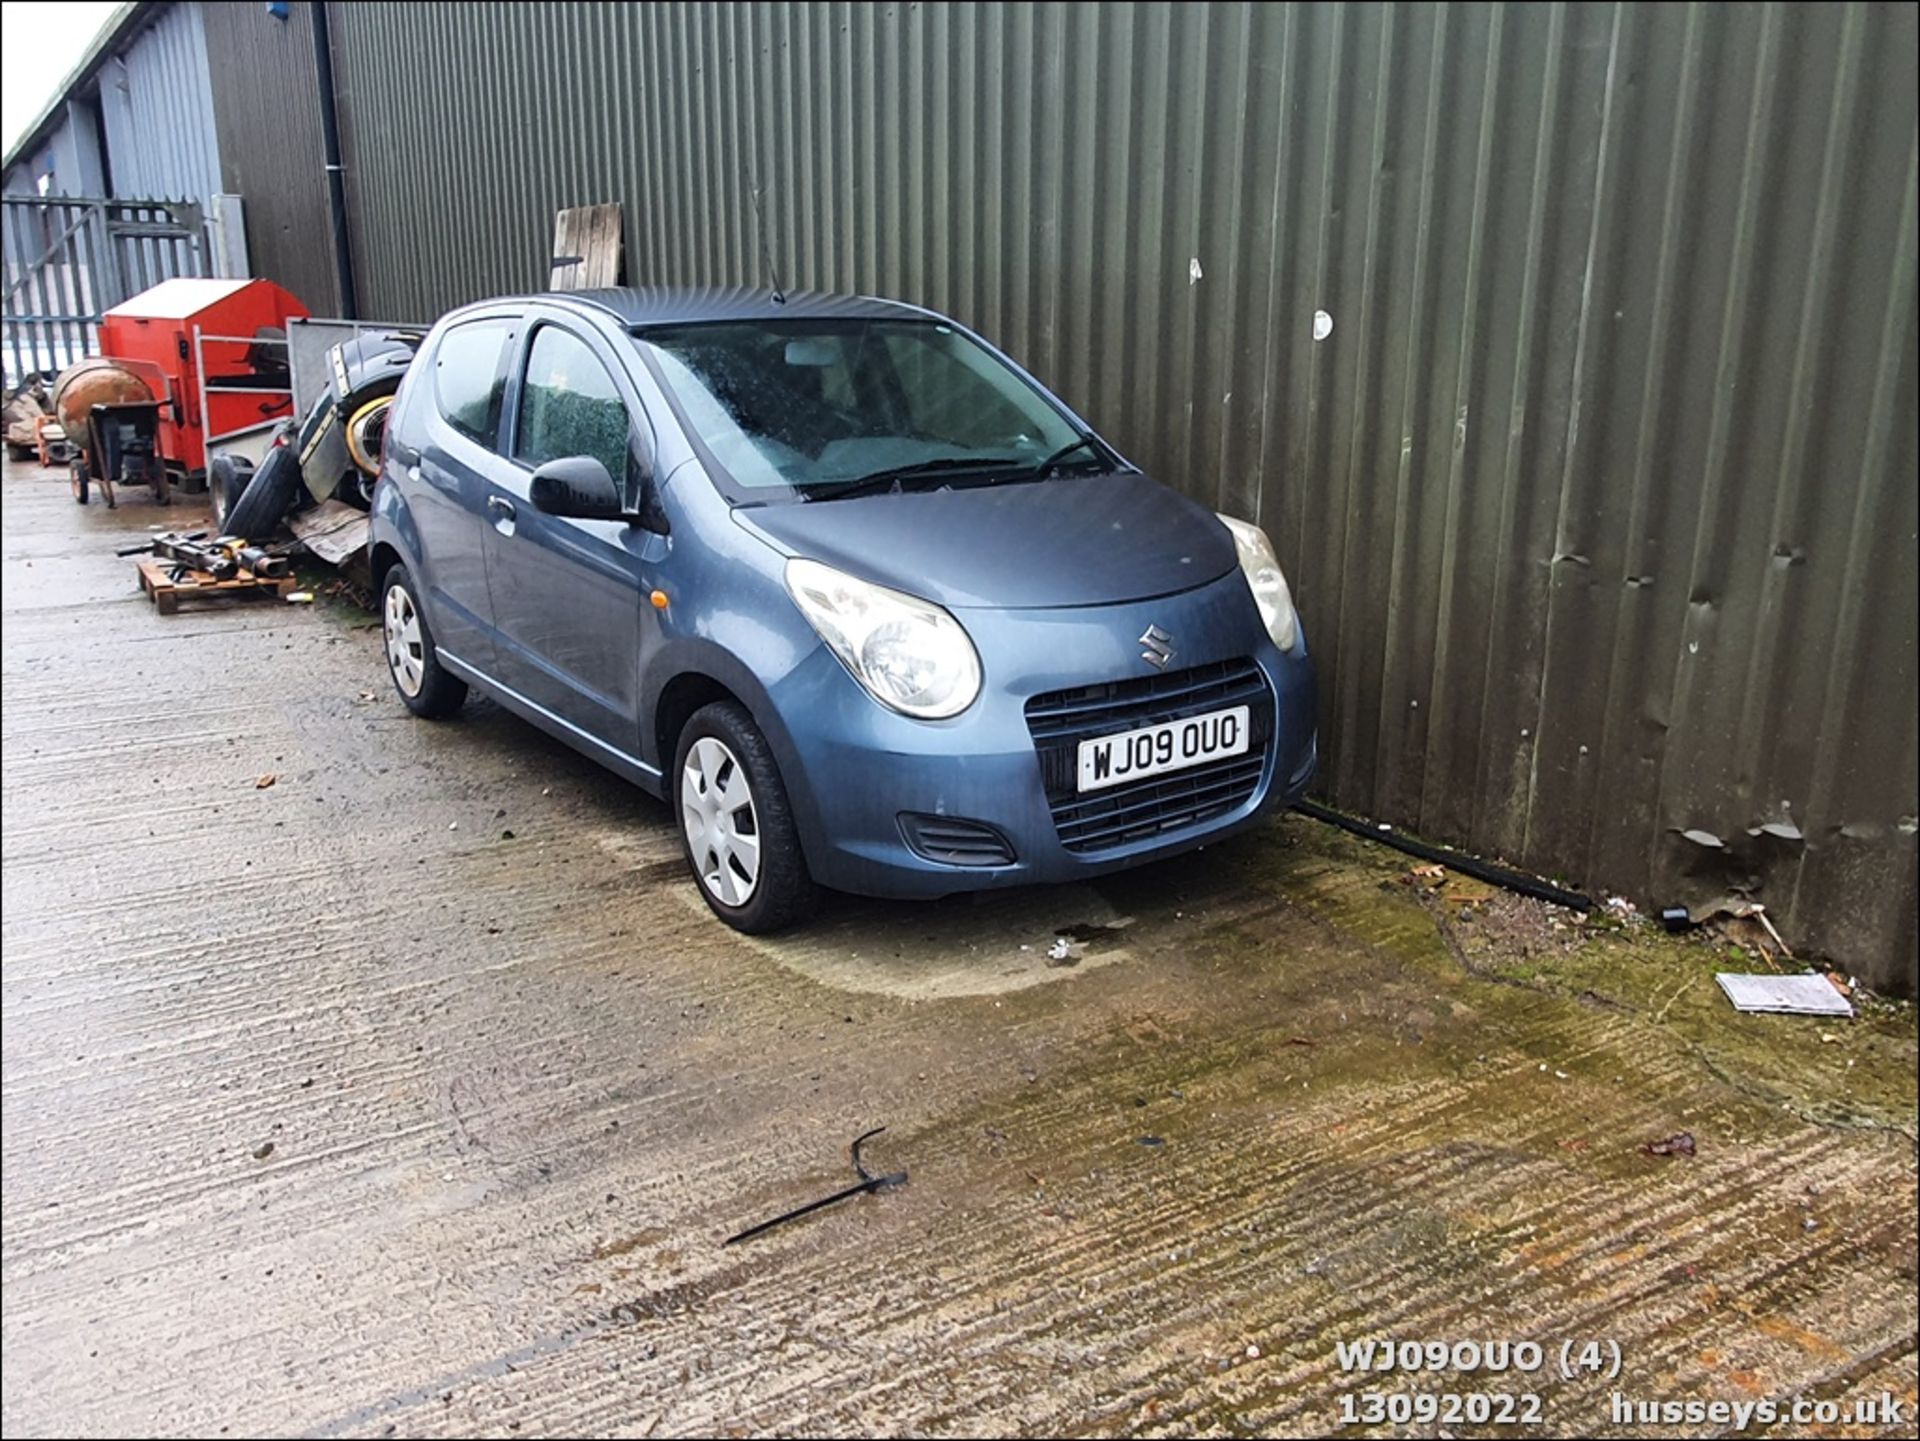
(123, 447)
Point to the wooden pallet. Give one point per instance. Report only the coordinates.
(156, 580)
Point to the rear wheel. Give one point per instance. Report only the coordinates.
(77, 477)
(426, 687)
(736, 825)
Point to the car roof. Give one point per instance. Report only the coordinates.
(641, 306)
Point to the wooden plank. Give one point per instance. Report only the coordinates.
(587, 248)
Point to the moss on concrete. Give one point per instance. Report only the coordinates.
(1661, 988)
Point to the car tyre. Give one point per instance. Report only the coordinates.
(426, 687)
(227, 479)
(257, 514)
(736, 824)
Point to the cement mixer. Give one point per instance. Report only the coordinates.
(110, 410)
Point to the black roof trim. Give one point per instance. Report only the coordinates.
(682, 305)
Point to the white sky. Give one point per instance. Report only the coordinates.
(40, 41)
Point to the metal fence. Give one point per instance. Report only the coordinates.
(1567, 350)
(68, 260)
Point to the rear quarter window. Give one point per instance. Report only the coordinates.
(470, 375)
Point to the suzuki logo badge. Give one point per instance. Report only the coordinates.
(1159, 647)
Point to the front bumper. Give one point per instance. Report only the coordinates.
(853, 768)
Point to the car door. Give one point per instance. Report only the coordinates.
(447, 460)
(568, 595)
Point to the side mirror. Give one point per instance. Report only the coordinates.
(577, 486)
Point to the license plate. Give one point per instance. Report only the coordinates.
(1154, 750)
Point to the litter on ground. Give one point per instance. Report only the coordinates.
(1803, 995)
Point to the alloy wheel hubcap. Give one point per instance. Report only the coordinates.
(406, 657)
(723, 830)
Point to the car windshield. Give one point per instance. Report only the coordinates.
(817, 408)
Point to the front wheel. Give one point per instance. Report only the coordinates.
(426, 687)
(736, 825)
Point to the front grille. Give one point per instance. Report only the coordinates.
(955, 842)
(1139, 810)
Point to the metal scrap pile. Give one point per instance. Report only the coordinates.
(318, 477)
(30, 424)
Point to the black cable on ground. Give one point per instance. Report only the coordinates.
(1467, 865)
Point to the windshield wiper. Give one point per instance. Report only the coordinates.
(1040, 471)
(881, 479)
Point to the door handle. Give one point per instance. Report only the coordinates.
(501, 507)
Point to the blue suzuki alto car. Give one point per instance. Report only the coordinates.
(869, 607)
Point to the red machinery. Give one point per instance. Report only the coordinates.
(235, 329)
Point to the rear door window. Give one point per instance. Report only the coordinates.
(470, 375)
(569, 406)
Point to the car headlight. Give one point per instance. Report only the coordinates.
(910, 654)
(1262, 570)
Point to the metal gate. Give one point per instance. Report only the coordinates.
(69, 259)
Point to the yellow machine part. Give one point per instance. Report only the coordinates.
(361, 434)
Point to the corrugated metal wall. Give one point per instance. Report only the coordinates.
(1599, 494)
(156, 100)
(267, 115)
(66, 154)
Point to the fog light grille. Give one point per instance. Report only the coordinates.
(952, 841)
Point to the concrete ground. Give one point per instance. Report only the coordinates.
(416, 1092)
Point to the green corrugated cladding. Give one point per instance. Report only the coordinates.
(266, 107)
(1599, 496)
